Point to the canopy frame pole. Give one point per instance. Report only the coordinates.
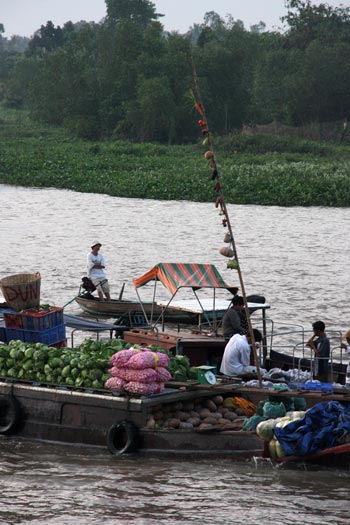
(162, 315)
(200, 304)
(142, 308)
(220, 202)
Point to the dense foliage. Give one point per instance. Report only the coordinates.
(128, 79)
(266, 170)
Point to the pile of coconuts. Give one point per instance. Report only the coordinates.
(198, 414)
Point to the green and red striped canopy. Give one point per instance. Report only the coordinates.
(178, 275)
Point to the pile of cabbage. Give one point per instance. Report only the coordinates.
(273, 413)
(265, 431)
(85, 366)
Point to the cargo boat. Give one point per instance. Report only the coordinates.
(113, 422)
(118, 423)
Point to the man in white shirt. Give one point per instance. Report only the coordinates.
(236, 358)
(96, 271)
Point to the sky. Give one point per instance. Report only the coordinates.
(24, 17)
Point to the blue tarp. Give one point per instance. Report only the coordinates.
(322, 427)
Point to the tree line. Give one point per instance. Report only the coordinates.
(127, 78)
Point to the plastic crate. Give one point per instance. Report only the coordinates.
(3, 336)
(14, 333)
(47, 337)
(42, 318)
(13, 320)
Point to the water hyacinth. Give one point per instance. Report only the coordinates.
(254, 170)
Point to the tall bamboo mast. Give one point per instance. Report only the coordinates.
(231, 252)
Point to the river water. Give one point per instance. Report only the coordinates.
(296, 257)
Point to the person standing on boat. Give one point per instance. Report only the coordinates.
(236, 358)
(346, 347)
(319, 343)
(96, 271)
(234, 320)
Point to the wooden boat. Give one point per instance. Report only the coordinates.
(200, 311)
(124, 310)
(118, 423)
(174, 276)
(114, 307)
(111, 422)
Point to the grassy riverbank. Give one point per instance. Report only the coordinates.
(261, 170)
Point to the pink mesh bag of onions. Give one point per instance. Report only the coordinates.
(145, 375)
(163, 374)
(147, 359)
(115, 383)
(163, 359)
(122, 357)
(143, 388)
(117, 372)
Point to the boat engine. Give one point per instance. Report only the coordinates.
(88, 285)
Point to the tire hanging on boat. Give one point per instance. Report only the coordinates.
(10, 414)
(123, 437)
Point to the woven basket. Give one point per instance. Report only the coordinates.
(21, 291)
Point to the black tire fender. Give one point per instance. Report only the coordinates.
(10, 414)
(123, 438)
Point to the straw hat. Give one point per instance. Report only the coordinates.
(96, 243)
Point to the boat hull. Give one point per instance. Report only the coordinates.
(60, 415)
(114, 307)
(338, 457)
(118, 308)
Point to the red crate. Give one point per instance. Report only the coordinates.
(13, 320)
(40, 318)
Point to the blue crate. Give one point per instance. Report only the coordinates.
(14, 333)
(3, 337)
(47, 337)
(40, 319)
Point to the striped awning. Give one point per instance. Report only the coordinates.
(189, 275)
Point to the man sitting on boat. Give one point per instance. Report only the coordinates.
(236, 358)
(96, 271)
(319, 343)
(234, 320)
